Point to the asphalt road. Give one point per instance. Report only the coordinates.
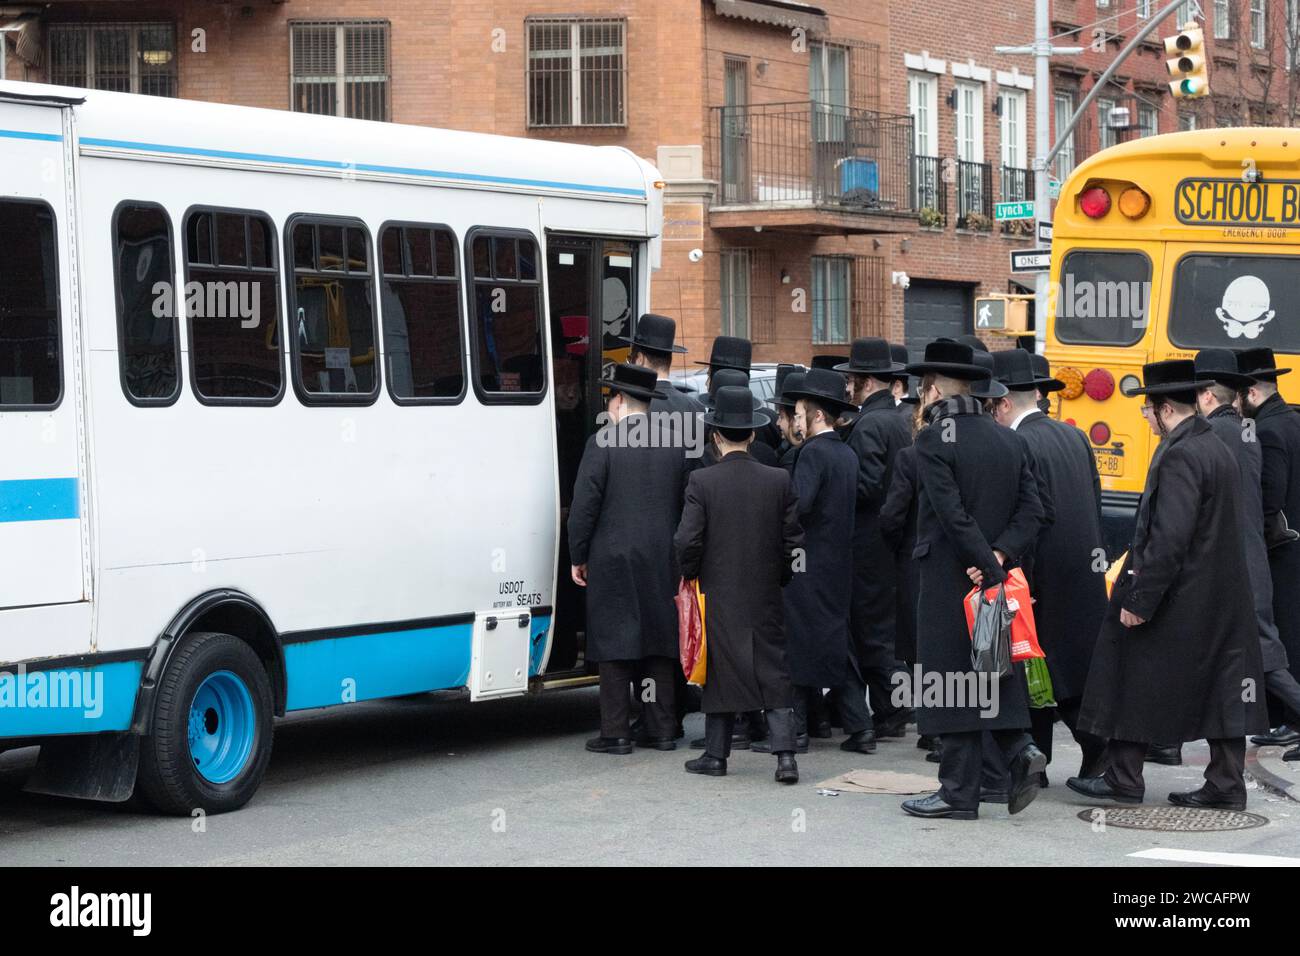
(436, 781)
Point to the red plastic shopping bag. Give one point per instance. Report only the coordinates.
(1024, 633)
(692, 644)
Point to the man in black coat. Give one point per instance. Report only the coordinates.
(762, 452)
(626, 504)
(653, 347)
(978, 513)
(1178, 657)
(876, 438)
(788, 377)
(738, 535)
(1068, 580)
(1219, 384)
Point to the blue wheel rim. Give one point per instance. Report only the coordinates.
(222, 727)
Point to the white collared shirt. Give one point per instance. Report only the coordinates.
(1022, 416)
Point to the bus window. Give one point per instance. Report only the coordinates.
(146, 304)
(507, 316)
(1103, 298)
(1226, 301)
(420, 299)
(232, 307)
(30, 375)
(332, 321)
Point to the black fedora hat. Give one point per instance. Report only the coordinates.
(654, 333)
(899, 354)
(1167, 378)
(792, 380)
(987, 387)
(823, 386)
(733, 407)
(1259, 364)
(828, 361)
(634, 380)
(1043, 372)
(974, 341)
(1220, 366)
(871, 357)
(726, 378)
(1015, 368)
(728, 351)
(946, 357)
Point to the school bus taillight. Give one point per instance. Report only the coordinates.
(1134, 203)
(1073, 380)
(1095, 202)
(1099, 433)
(1099, 384)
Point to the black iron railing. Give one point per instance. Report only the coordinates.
(814, 154)
(1017, 186)
(974, 196)
(930, 191)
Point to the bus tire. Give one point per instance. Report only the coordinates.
(212, 728)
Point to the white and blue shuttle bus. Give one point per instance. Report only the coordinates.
(290, 410)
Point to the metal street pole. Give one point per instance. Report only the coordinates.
(1042, 141)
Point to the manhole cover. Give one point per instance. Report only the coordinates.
(1172, 819)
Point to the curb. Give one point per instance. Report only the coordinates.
(1266, 766)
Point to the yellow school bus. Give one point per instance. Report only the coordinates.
(1161, 247)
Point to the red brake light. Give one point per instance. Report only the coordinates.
(1099, 384)
(1099, 433)
(1095, 202)
(1071, 421)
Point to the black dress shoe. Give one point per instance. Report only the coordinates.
(738, 742)
(821, 731)
(656, 743)
(934, 807)
(994, 796)
(1097, 788)
(1206, 798)
(1025, 769)
(1168, 756)
(765, 746)
(926, 742)
(895, 725)
(609, 745)
(1042, 781)
(709, 766)
(1283, 736)
(863, 742)
(1292, 754)
(787, 770)
(934, 756)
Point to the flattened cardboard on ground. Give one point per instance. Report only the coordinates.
(881, 781)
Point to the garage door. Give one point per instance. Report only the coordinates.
(933, 310)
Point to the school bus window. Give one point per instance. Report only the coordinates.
(1225, 301)
(29, 307)
(232, 308)
(1103, 298)
(332, 312)
(422, 340)
(146, 304)
(507, 311)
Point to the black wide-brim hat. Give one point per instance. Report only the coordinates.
(788, 377)
(730, 351)
(899, 354)
(1018, 371)
(654, 333)
(949, 358)
(1259, 364)
(871, 357)
(1167, 378)
(634, 380)
(728, 378)
(1043, 373)
(823, 386)
(1220, 366)
(988, 387)
(828, 361)
(733, 407)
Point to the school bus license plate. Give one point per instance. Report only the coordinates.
(1109, 461)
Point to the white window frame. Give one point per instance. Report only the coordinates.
(1106, 136)
(1292, 37)
(821, 267)
(1144, 112)
(1063, 106)
(923, 105)
(1143, 9)
(737, 316)
(1014, 128)
(1258, 23)
(574, 53)
(1223, 19)
(969, 125)
(340, 76)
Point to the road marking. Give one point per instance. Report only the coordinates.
(1217, 859)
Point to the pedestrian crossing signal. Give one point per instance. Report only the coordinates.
(1186, 63)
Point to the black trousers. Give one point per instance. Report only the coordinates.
(1286, 691)
(811, 709)
(962, 763)
(1042, 720)
(1224, 776)
(651, 679)
(850, 698)
(718, 729)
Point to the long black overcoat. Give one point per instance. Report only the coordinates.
(898, 525)
(1277, 426)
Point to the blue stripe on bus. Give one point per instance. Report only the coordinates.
(28, 134)
(39, 499)
(93, 699)
(359, 167)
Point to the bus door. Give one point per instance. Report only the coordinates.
(591, 285)
(42, 492)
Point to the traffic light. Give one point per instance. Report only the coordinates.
(1187, 64)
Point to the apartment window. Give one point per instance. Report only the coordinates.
(1014, 143)
(1063, 107)
(1292, 37)
(1107, 135)
(421, 308)
(922, 103)
(123, 57)
(333, 313)
(828, 88)
(231, 276)
(1148, 120)
(340, 68)
(970, 122)
(1188, 121)
(146, 303)
(1223, 19)
(1143, 9)
(30, 354)
(577, 71)
(1258, 24)
(1103, 4)
(507, 316)
(737, 268)
(831, 299)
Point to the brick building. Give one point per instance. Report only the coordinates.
(813, 155)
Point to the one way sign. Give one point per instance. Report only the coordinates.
(1031, 260)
